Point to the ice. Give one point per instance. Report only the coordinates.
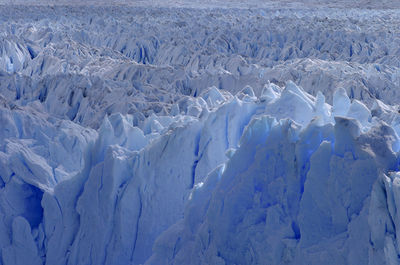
(199, 133)
(213, 97)
(360, 112)
(244, 209)
(341, 102)
(322, 110)
(175, 110)
(270, 92)
(247, 94)
(23, 249)
(294, 104)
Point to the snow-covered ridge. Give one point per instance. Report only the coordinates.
(135, 135)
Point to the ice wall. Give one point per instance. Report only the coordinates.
(248, 180)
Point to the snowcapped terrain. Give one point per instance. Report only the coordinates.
(188, 133)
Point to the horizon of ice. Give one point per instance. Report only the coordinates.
(187, 143)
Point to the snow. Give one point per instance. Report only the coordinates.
(189, 133)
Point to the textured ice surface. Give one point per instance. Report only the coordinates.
(208, 135)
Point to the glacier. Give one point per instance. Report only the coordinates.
(189, 133)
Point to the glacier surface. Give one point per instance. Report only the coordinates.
(199, 134)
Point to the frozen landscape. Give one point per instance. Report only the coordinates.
(199, 132)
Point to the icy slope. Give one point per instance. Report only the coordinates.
(133, 135)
